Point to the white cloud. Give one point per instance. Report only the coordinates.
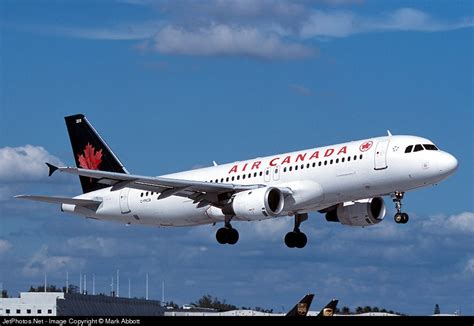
(102, 246)
(25, 163)
(346, 23)
(5, 246)
(227, 40)
(301, 90)
(41, 262)
(459, 224)
(469, 269)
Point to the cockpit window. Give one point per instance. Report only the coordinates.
(418, 148)
(408, 149)
(430, 147)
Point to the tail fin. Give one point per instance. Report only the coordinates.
(302, 307)
(90, 151)
(329, 309)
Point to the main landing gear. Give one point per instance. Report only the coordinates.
(400, 217)
(296, 238)
(227, 234)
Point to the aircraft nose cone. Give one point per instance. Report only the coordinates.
(448, 164)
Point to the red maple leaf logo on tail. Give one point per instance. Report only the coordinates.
(91, 158)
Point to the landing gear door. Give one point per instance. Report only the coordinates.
(381, 155)
(124, 208)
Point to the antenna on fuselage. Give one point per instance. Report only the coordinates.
(389, 133)
(215, 164)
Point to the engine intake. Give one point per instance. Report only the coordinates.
(256, 204)
(362, 212)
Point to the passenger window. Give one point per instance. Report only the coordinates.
(290, 168)
(146, 194)
(302, 166)
(233, 178)
(330, 162)
(307, 166)
(342, 160)
(222, 180)
(430, 147)
(418, 148)
(337, 160)
(319, 163)
(227, 179)
(255, 175)
(355, 157)
(267, 172)
(296, 167)
(325, 162)
(141, 195)
(360, 156)
(250, 175)
(261, 173)
(243, 177)
(276, 170)
(238, 177)
(408, 149)
(314, 164)
(284, 169)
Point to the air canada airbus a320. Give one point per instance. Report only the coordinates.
(345, 181)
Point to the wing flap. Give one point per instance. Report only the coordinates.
(61, 200)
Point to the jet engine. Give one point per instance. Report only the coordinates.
(362, 212)
(256, 204)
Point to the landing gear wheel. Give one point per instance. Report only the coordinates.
(222, 235)
(296, 239)
(405, 218)
(398, 218)
(302, 240)
(291, 239)
(232, 236)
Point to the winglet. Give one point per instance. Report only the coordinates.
(52, 168)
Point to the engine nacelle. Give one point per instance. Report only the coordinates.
(358, 213)
(256, 204)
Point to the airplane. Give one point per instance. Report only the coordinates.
(346, 182)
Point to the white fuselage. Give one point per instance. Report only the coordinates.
(318, 178)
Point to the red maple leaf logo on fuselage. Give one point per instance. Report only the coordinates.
(91, 158)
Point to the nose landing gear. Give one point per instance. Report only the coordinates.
(400, 217)
(296, 238)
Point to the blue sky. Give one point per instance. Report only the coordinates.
(174, 85)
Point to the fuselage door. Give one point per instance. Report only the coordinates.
(381, 155)
(267, 174)
(276, 172)
(124, 208)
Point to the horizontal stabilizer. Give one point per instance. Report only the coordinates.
(61, 200)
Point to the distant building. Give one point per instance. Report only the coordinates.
(31, 304)
(61, 304)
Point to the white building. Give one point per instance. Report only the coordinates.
(31, 304)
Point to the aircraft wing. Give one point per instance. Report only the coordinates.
(61, 200)
(196, 190)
